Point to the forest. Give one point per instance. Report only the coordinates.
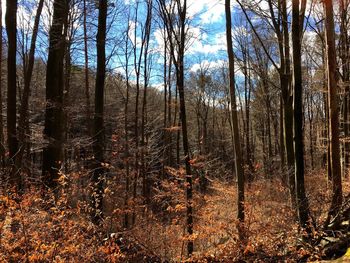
(175, 131)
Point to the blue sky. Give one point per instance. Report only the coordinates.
(207, 44)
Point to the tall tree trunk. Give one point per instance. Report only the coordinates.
(146, 184)
(86, 71)
(234, 119)
(166, 134)
(337, 196)
(170, 106)
(311, 130)
(126, 130)
(248, 90)
(11, 29)
(345, 61)
(137, 68)
(99, 130)
(66, 94)
(285, 82)
(2, 146)
(282, 145)
(23, 118)
(181, 89)
(177, 49)
(302, 201)
(53, 131)
(288, 134)
(177, 122)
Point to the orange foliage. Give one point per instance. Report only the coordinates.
(37, 228)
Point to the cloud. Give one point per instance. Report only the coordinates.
(132, 26)
(206, 64)
(209, 11)
(211, 45)
(3, 9)
(26, 11)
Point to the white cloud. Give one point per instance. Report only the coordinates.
(158, 86)
(132, 26)
(200, 46)
(3, 9)
(209, 11)
(129, 2)
(26, 16)
(206, 64)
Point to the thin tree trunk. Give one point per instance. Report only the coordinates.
(86, 71)
(178, 53)
(26, 90)
(137, 67)
(345, 61)
(166, 133)
(302, 201)
(285, 81)
(234, 119)
(99, 130)
(310, 113)
(337, 196)
(181, 89)
(170, 136)
(66, 103)
(247, 115)
(126, 130)
(282, 145)
(146, 184)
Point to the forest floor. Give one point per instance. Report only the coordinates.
(42, 229)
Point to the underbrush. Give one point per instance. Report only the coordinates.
(37, 227)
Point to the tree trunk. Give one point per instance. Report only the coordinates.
(11, 29)
(248, 90)
(302, 201)
(2, 147)
(285, 82)
(311, 130)
(99, 130)
(337, 196)
(146, 184)
(166, 133)
(345, 61)
(181, 89)
(234, 119)
(86, 71)
(26, 90)
(282, 145)
(137, 67)
(53, 131)
(126, 130)
(66, 102)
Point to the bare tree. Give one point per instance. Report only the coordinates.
(234, 119)
(333, 109)
(146, 76)
(278, 21)
(53, 131)
(23, 118)
(86, 57)
(176, 31)
(99, 130)
(302, 201)
(2, 146)
(11, 29)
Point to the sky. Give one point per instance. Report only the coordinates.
(207, 29)
(207, 46)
